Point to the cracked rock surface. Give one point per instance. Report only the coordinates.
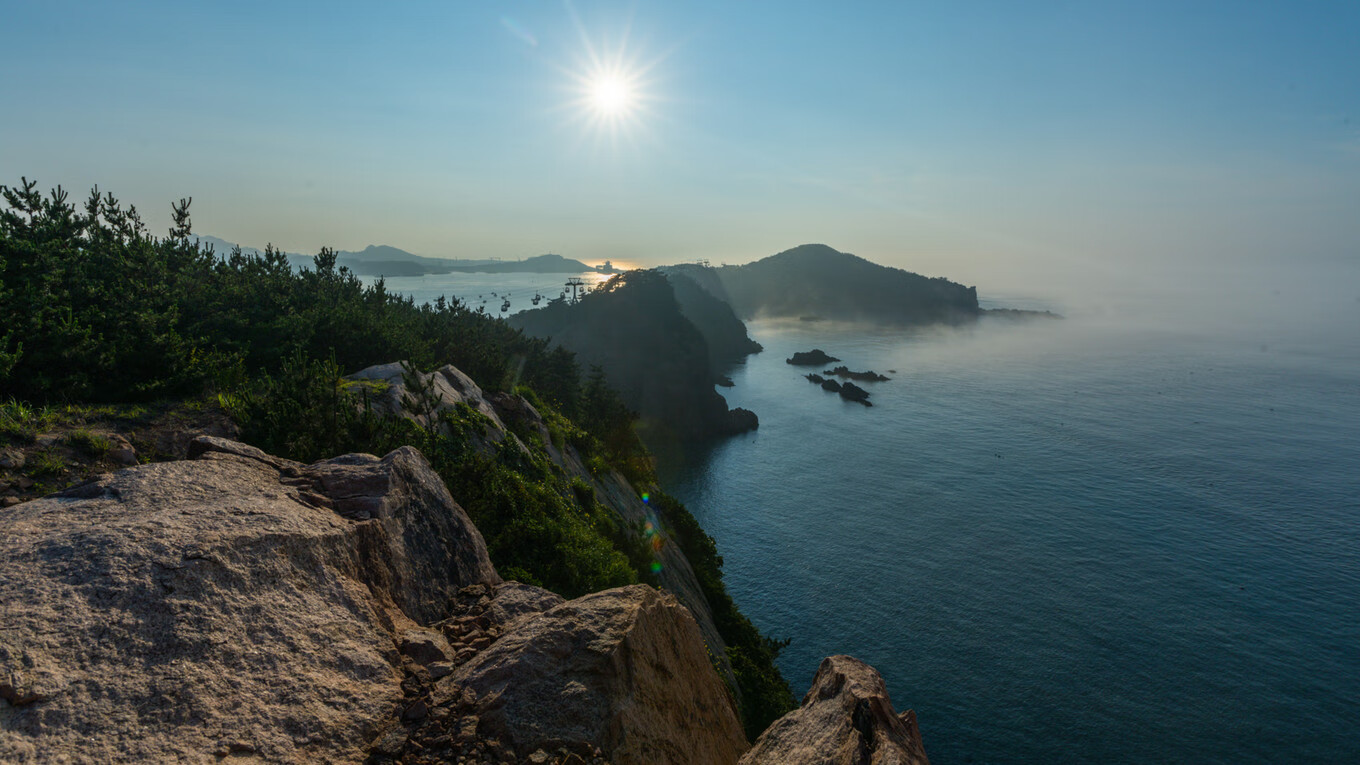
(234, 604)
(846, 719)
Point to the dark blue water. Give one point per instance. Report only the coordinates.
(1130, 536)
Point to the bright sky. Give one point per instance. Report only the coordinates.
(965, 139)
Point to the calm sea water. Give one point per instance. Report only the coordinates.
(1129, 536)
(475, 289)
(1115, 538)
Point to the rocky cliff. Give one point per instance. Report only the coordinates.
(237, 605)
(505, 413)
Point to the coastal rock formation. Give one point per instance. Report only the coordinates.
(846, 719)
(234, 604)
(507, 414)
(813, 358)
(831, 385)
(241, 605)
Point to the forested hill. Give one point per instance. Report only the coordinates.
(632, 328)
(816, 280)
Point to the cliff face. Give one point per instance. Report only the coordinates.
(651, 354)
(238, 604)
(709, 312)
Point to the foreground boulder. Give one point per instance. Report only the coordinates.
(846, 719)
(619, 676)
(235, 604)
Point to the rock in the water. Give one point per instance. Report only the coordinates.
(813, 358)
(852, 392)
(846, 719)
(181, 611)
(741, 420)
(831, 385)
(813, 377)
(624, 671)
(868, 376)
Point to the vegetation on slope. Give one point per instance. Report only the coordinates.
(101, 311)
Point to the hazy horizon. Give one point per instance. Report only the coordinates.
(987, 143)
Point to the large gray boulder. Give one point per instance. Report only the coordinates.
(235, 604)
(846, 719)
(619, 676)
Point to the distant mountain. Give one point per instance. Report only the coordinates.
(816, 280)
(541, 264)
(386, 260)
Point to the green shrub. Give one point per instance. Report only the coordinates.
(45, 463)
(23, 422)
(91, 444)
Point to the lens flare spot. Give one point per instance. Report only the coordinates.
(656, 567)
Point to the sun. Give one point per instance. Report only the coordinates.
(612, 92)
(611, 95)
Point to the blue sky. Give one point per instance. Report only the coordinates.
(973, 140)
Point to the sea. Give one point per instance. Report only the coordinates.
(1130, 535)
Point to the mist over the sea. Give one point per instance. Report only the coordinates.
(1129, 535)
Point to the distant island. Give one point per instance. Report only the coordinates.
(541, 264)
(816, 282)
